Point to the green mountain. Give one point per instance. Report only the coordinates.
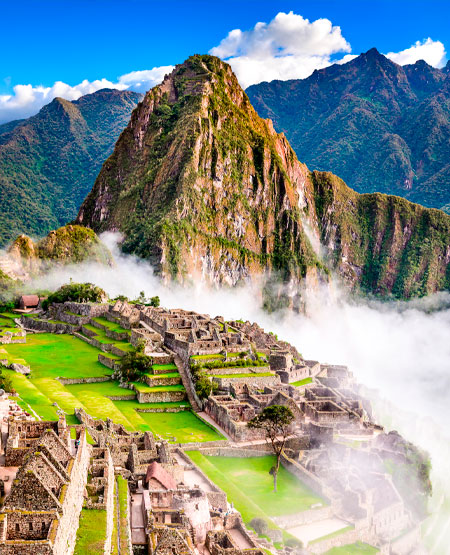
(204, 188)
(380, 126)
(49, 162)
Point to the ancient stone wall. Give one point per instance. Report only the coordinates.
(307, 477)
(71, 381)
(255, 381)
(64, 542)
(161, 396)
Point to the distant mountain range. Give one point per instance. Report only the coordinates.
(49, 162)
(205, 189)
(379, 126)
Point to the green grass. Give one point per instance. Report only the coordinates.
(105, 389)
(163, 376)
(180, 427)
(113, 326)
(144, 388)
(249, 485)
(10, 315)
(357, 548)
(205, 357)
(302, 382)
(32, 396)
(122, 486)
(247, 375)
(100, 335)
(91, 533)
(158, 367)
(51, 355)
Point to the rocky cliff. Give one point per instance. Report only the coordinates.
(203, 187)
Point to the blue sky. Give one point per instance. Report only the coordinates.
(44, 41)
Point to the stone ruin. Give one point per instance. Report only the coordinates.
(329, 413)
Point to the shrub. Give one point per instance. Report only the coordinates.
(134, 365)
(76, 292)
(259, 525)
(5, 382)
(154, 301)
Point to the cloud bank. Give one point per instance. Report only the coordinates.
(432, 51)
(288, 47)
(27, 100)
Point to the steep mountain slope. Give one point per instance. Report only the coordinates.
(48, 163)
(203, 187)
(380, 126)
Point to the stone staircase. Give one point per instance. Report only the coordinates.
(187, 382)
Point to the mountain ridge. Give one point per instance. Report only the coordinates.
(382, 127)
(205, 189)
(49, 162)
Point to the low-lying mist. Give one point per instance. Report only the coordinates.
(401, 349)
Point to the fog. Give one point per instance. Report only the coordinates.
(400, 350)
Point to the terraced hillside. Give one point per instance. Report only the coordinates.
(75, 370)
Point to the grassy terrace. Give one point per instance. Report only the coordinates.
(245, 375)
(122, 489)
(157, 368)
(91, 533)
(164, 376)
(51, 355)
(113, 326)
(59, 355)
(302, 382)
(180, 427)
(100, 335)
(207, 357)
(249, 486)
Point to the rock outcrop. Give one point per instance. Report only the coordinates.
(70, 244)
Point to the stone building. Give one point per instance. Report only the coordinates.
(40, 515)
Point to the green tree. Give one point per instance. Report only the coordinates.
(275, 421)
(135, 364)
(154, 301)
(205, 387)
(76, 292)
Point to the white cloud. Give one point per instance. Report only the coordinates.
(432, 51)
(142, 81)
(27, 100)
(289, 47)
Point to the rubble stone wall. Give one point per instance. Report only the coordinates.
(73, 501)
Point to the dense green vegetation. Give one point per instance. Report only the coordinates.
(378, 125)
(76, 292)
(49, 162)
